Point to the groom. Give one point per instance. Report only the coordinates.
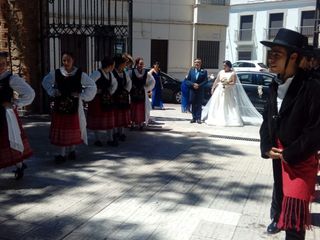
(195, 80)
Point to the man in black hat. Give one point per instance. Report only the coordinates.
(290, 134)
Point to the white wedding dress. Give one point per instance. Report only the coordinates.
(229, 105)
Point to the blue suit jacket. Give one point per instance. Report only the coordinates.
(196, 95)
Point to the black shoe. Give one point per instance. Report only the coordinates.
(199, 121)
(98, 143)
(113, 143)
(59, 159)
(193, 121)
(272, 228)
(72, 155)
(122, 137)
(19, 172)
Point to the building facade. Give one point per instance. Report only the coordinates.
(174, 32)
(252, 21)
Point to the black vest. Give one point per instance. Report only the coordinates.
(104, 84)
(137, 91)
(66, 103)
(121, 96)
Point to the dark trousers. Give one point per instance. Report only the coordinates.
(295, 235)
(196, 110)
(277, 194)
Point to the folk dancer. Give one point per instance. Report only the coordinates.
(142, 82)
(14, 145)
(290, 134)
(100, 116)
(68, 86)
(121, 97)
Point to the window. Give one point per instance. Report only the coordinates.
(266, 80)
(208, 51)
(275, 23)
(246, 28)
(307, 23)
(246, 78)
(244, 55)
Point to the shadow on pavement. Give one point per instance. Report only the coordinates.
(158, 166)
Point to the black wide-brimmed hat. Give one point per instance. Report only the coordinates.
(288, 39)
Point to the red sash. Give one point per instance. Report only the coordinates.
(298, 191)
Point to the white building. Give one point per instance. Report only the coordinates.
(174, 32)
(254, 20)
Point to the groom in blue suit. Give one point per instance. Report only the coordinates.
(195, 80)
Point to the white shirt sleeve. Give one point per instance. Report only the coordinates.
(25, 91)
(48, 83)
(114, 84)
(150, 82)
(90, 88)
(129, 82)
(95, 75)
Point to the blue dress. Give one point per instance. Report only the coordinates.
(156, 91)
(185, 101)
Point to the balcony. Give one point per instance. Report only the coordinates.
(214, 12)
(270, 33)
(244, 36)
(306, 30)
(214, 2)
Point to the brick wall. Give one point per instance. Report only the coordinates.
(21, 20)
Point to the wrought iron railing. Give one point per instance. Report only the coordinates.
(244, 35)
(90, 29)
(306, 30)
(271, 32)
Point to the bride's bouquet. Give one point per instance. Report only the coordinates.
(224, 82)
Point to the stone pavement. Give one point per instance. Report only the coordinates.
(173, 181)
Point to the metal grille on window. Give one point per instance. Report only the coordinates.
(208, 51)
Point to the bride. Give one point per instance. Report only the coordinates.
(229, 104)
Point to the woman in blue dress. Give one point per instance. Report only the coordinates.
(185, 102)
(157, 90)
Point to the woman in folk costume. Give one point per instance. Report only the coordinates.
(142, 82)
(100, 115)
(157, 90)
(121, 97)
(290, 134)
(68, 86)
(14, 145)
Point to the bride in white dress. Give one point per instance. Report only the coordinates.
(229, 104)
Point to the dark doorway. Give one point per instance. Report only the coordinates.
(159, 53)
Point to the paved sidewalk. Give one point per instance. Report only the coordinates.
(173, 181)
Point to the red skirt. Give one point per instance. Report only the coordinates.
(97, 119)
(298, 191)
(138, 112)
(65, 130)
(9, 156)
(122, 117)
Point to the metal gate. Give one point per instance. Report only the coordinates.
(90, 29)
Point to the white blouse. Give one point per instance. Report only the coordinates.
(19, 85)
(282, 91)
(89, 85)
